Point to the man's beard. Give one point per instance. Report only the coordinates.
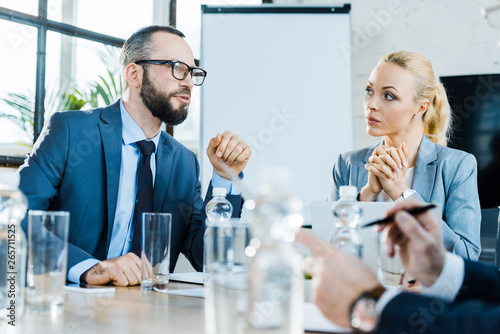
(159, 103)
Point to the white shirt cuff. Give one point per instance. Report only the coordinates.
(78, 269)
(449, 281)
(220, 182)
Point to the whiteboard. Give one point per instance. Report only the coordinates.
(281, 78)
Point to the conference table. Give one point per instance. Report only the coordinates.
(129, 310)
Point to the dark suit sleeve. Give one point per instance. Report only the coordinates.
(194, 243)
(481, 282)
(194, 246)
(475, 310)
(411, 313)
(42, 172)
(43, 169)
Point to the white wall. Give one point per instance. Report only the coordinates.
(452, 34)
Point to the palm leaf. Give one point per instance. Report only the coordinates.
(105, 90)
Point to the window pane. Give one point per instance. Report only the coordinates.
(62, 10)
(19, 59)
(79, 69)
(118, 18)
(25, 6)
(54, 10)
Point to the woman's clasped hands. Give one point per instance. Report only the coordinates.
(387, 169)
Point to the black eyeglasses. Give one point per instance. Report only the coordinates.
(180, 70)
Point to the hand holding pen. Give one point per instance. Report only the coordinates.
(412, 211)
(419, 238)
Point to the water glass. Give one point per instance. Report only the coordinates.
(227, 281)
(47, 258)
(392, 269)
(155, 251)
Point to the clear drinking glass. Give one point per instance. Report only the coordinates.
(48, 252)
(227, 277)
(155, 254)
(392, 269)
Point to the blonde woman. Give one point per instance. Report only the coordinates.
(408, 107)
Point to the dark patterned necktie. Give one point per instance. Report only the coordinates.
(144, 196)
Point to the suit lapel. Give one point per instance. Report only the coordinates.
(163, 170)
(111, 137)
(425, 169)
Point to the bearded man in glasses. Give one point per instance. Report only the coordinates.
(108, 165)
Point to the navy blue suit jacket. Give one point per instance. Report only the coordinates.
(75, 167)
(475, 310)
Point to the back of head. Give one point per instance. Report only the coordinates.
(437, 119)
(138, 46)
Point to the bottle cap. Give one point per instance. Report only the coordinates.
(348, 191)
(219, 191)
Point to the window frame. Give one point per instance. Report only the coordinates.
(44, 25)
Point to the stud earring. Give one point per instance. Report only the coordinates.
(416, 116)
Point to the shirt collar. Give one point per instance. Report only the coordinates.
(131, 132)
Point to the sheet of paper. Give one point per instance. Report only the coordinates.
(192, 277)
(315, 321)
(198, 293)
(91, 289)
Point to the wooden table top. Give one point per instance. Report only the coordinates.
(127, 311)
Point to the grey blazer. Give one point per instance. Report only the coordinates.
(442, 175)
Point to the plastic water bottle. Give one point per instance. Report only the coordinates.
(13, 248)
(218, 234)
(275, 295)
(347, 215)
(219, 209)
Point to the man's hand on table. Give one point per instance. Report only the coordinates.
(121, 271)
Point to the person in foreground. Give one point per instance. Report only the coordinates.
(407, 106)
(108, 165)
(459, 296)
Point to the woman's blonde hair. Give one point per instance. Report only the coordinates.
(437, 119)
